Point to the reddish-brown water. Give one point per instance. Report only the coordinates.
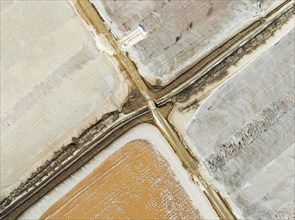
(134, 182)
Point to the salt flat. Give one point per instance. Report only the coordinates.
(233, 111)
(164, 38)
(191, 194)
(55, 83)
(243, 133)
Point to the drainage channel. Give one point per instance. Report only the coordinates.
(169, 133)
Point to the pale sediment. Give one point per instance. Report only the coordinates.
(241, 130)
(177, 33)
(55, 83)
(244, 132)
(167, 162)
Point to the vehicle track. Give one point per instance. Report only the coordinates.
(155, 109)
